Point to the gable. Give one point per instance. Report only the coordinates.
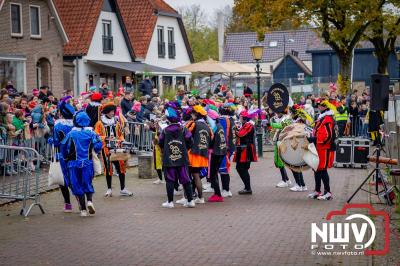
(293, 67)
(120, 50)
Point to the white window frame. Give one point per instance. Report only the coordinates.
(20, 18)
(273, 44)
(40, 22)
(300, 76)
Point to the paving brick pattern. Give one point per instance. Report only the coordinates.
(271, 227)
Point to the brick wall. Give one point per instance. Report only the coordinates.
(49, 46)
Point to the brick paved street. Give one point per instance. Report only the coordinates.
(271, 227)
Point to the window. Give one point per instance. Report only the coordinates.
(300, 76)
(34, 14)
(171, 43)
(107, 37)
(13, 70)
(161, 43)
(16, 19)
(273, 44)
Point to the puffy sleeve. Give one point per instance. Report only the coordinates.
(325, 132)
(97, 143)
(246, 129)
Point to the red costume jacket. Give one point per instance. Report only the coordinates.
(323, 132)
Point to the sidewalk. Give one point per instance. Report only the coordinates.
(271, 227)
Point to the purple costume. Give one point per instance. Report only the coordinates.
(174, 141)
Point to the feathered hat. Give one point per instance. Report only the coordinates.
(108, 107)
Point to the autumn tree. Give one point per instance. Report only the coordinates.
(383, 32)
(203, 38)
(341, 23)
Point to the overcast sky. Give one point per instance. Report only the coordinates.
(207, 5)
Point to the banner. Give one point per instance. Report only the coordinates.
(278, 97)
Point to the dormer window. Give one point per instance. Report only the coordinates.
(161, 42)
(273, 44)
(107, 37)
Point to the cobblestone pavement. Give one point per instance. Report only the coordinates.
(271, 227)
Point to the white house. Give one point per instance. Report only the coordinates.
(113, 39)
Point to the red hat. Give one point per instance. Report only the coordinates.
(96, 96)
(32, 104)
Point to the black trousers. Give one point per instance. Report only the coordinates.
(187, 188)
(322, 175)
(284, 175)
(243, 171)
(82, 201)
(341, 127)
(225, 180)
(215, 163)
(117, 168)
(298, 177)
(65, 193)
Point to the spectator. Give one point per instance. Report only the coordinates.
(247, 92)
(23, 106)
(363, 121)
(308, 107)
(146, 86)
(128, 85)
(104, 90)
(44, 93)
(126, 104)
(10, 88)
(354, 118)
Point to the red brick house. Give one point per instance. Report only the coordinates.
(31, 45)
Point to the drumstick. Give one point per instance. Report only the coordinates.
(384, 160)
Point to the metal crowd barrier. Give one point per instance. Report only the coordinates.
(140, 136)
(20, 176)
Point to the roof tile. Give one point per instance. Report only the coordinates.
(79, 18)
(237, 45)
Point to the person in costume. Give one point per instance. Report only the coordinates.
(323, 136)
(61, 129)
(218, 152)
(93, 108)
(278, 122)
(79, 143)
(110, 128)
(198, 153)
(175, 140)
(157, 157)
(227, 112)
(299, 115)
(245, 150)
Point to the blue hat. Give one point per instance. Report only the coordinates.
(172, 114)
(66, 110)
(81, 119)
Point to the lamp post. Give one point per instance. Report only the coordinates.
(257, 51)
(398, 60)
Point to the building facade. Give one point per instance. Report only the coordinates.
(31, 45)
(113, 39)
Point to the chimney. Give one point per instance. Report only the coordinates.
(221, 32)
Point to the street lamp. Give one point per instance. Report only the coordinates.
(257, 50)
(284, 57)
(398, 60)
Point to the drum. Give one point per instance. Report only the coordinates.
(119, 155)
(295, 150)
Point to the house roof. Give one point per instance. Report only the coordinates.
(237, 45)
(298, 62)
(140, 17)
(79, 18)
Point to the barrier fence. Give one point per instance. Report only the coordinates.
(20, 176)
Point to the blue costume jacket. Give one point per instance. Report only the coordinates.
(61, 129)
(80, 142)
